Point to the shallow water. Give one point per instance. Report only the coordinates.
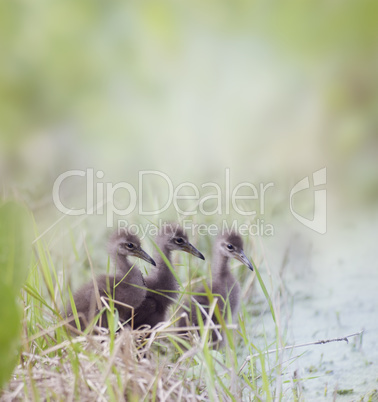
(330, 287)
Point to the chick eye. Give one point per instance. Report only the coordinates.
(230, 246)
(130, 245)
(179, 240)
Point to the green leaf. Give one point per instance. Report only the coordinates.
(15, 253)
(10, 329)
(261, 282)
(74, 311)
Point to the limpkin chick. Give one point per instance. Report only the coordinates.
(224, 285)
(126, 287)
(162, 287)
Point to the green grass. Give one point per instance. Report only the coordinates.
(54, 365)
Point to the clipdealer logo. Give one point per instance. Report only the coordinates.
(319, 221)
(208, 199)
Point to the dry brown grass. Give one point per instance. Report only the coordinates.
(126, 372)
(136, 366)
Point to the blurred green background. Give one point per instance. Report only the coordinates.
(272, 90)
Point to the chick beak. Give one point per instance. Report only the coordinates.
(189, 248)
(244, 260)
(140, 253)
